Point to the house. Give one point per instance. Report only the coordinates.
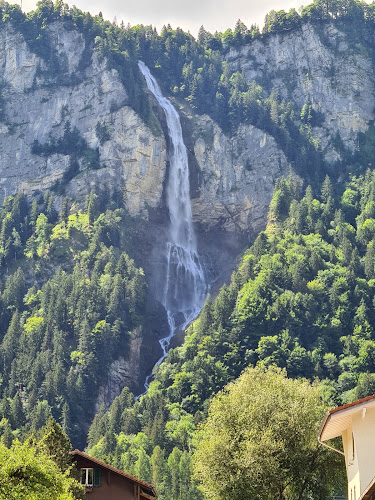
(104, 482)
(355, 423)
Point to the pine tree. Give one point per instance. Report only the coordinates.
(40, 415)
(173, 473)
(65, 420)
(92, 206)
(116, 305)
(369, 260)
(56, 444)
(98, 426)
(7, 434)
(11, 341)
(17, 412)
(115, 415)
(158, 470)
(327, 190)
(34, 212)
(185, 475)
(142, 467)
(64, 211)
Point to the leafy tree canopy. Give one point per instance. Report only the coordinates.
(26, 472)
(259, 441)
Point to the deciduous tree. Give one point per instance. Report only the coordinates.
(259, 441)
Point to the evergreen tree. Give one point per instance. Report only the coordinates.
(17, 412)
(56, 444)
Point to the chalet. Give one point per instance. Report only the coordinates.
(104, 482)
(355, 423)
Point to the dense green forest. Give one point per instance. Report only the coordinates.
(70, 296)
(302, 299)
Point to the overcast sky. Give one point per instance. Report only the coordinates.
(188, 15)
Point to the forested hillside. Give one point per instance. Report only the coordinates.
(69, 300)
(302, 299)
(88, 212)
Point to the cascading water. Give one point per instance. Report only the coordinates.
(185, 286)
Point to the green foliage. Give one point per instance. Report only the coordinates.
(71, 143)
(259, 441)
(56, 444)
(27, 472)
(302, 299)
(63, 324)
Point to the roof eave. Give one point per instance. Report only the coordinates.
(321, 430)
(322, 426)
(113, 469)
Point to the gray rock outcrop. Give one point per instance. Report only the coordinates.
(38, 110)
(236, 174)
(320, 65)
(123, 372)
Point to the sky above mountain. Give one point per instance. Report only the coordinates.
(213, 14)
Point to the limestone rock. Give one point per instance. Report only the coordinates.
(318, 65)
(237, 176)
(123, 372)
(38, 109)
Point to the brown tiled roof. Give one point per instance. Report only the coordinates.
(117, 471)
(358, 402)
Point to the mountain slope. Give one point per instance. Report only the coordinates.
(303, 299)
(76, 119)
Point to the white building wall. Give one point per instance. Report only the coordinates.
(360, 467)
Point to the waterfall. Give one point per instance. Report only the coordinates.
(184, 287)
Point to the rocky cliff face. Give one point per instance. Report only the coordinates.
(123, 372)
(38, 109)
(235, 175)
(320, 65)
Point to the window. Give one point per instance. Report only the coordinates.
(87, 477)
(353, 453)
(90, 477)
(96, 477)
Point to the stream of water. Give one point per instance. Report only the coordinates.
(185, 287)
